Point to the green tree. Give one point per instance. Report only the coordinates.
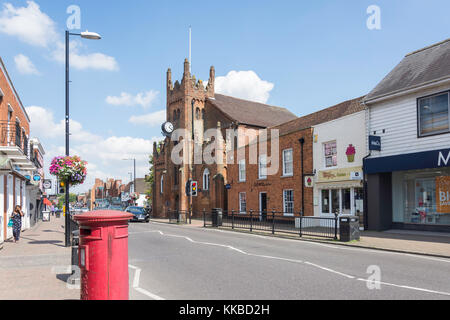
(62, 199)
(150, 179)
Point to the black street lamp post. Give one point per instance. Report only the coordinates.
(85, 35)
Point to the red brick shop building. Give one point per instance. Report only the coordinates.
(285, 192)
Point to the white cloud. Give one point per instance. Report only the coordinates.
(24, 65)
(95, 61)
(144, 99)
(28, 23)
(32, 26)
(43, 125)
(152, 119)
(104, 155)
(245, 85)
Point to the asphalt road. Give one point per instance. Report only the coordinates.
(182, 263)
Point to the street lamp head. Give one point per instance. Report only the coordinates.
(90, 35)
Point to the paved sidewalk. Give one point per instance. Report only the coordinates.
(407, 241)
(27, 269)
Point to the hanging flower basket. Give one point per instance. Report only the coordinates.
(71, 170)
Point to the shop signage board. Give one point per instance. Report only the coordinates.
(47, 184)
(374, 143)
(443, 194)
(309, 181)
(336, 175)
(412, 161)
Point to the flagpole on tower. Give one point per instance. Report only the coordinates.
(190, 49)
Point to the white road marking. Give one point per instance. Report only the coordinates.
(300, 262)
(335, 247)
(137, 275)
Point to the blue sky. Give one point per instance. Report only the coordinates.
(303, 55)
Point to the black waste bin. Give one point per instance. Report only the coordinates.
(349, 229)
(217, 217)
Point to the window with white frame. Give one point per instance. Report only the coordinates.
(288, 163)
(262, 167)
(162, 184)
(242, 172)
(242, 202)
(288, 202)
(434, 114)
(206, 179)
(330, 152)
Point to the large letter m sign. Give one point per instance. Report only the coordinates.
(442, 160)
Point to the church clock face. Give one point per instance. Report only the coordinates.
(167, 128)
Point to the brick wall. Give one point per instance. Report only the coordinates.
(11, 99)
(275, 184)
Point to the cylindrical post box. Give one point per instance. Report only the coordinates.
(103, 255)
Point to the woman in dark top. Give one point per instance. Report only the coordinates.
(17, 219)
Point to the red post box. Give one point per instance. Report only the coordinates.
(103, 255)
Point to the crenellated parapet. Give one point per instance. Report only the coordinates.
(189, 85)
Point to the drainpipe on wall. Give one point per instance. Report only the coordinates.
(366, 207)
(302, 143)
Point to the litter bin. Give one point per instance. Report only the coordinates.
(217, 217)
(349, 229)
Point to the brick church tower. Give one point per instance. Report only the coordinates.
(186, 109)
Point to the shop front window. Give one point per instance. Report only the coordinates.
(425, 198)
(348, 201)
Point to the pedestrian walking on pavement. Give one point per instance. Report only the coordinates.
(17, 223)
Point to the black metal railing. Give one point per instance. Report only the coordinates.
(274, 222)
(178, 216)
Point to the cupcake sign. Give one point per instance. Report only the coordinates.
(351, 152)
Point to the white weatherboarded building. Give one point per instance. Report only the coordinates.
(408, 129)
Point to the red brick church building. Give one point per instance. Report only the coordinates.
(197, 108)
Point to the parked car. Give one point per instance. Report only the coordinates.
(139, 213)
